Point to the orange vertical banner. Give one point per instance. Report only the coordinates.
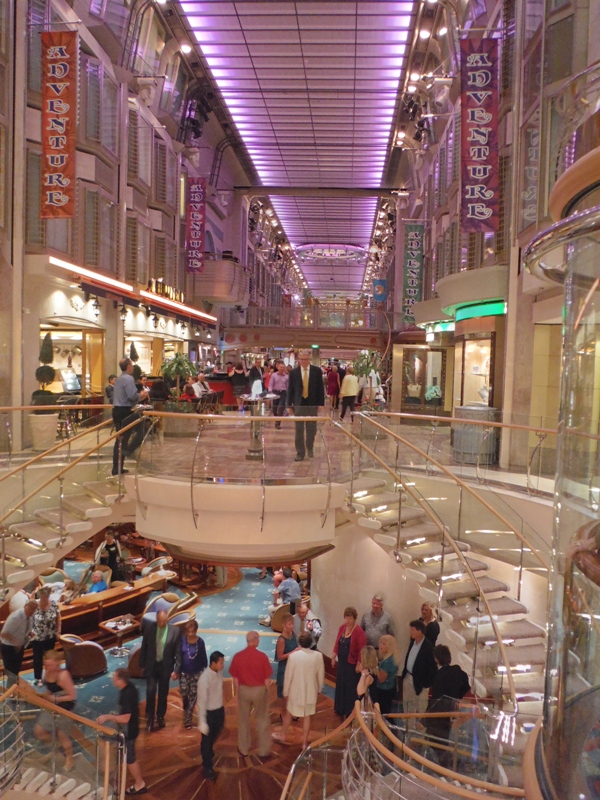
(59, 118)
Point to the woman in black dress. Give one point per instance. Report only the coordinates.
(349, 642)
(239, 381)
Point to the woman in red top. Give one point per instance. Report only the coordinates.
(349, 642)
(333, 387)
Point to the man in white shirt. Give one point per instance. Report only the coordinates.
(14, 638)
(211, 714)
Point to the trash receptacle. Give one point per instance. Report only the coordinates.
(470, 442)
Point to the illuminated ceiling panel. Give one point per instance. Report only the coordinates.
(312, 89)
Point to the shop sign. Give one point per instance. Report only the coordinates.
(164, 290)
(380, 290)
(531, 166)
(480, 201)
(59, 114)
(196, 224)
(412, 280)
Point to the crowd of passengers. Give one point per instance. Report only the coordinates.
(365, 660)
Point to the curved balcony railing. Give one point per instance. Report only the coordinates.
(315, 317)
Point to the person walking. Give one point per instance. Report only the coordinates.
(348, 392)
(193, 662)
(59, 690)
(14, 637)
(45, 629)
(125, 397)
(251, 672)
(305, 396)
(159, 658)
(211, 713)
(279, 385)
(304, 678)
(333, 387)
(129, 715)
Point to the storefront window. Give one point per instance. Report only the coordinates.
(78, 361)
(423, 377)
(476, 386)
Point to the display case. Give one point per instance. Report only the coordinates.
(423, 378)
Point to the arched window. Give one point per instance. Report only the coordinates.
(209, 242)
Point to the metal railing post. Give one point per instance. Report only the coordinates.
(459, 519)
(120, 465)
(520, 578)
(61, 496)
(351, 473)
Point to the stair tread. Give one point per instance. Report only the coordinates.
(466, 588)
(365, 485)
(499, 607)
(452, 567)
(88, 505)
(39, 532)
(533, 654)
(107, 490)
(512, 629)
(391, 515)
(371, 501)
(70, 522)
(29, 553)
(431, 549)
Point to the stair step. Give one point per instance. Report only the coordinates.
(513, 629)
(16, 574)
(419, 552)
(420, 533)
(66, 785)
(37, 532)
(389, 518)
(28, 553)
(454, 590)
(452, 567)
(87, 506)
(499, 606)
(532, 654)
(36, 782)
(26, 777)
(79, 792)
(70, 523)
(363, 486)
(107, 491)
(381, 500)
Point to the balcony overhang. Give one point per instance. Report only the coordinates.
(427, 312)
(472, 287)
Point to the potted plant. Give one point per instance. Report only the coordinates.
(367, 366)
(43, 424)
(177, 369)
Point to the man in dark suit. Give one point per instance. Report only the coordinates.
(305, 395)
(419, 669)
(159, 658)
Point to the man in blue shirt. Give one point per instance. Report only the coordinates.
(98, 582)
(288, 592)
(124, 398)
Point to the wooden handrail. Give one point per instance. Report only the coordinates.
(305, 786)
(53, 449)
(447, 773)
(220, 418)
(460, 421)
(423, 776)
(447, 537)
(61, 472)
(345, 724)
(55, 407)
(463, 485)
(29, 694)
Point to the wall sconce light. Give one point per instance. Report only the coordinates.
(96, 308)
(149, 311)
(123, 312)
(196, 331)
(155, 321)
(183, 328)
(208, 335)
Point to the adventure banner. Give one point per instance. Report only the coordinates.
(480, 200)
(412, 280)
(196, 224)
(59, 116)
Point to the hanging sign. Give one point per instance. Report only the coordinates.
(480, 201)
(196, 224)
(412, 280)
(59, 114)
(380, 290)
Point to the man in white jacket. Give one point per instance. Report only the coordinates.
(304, 677)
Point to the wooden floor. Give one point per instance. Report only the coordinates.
(172, 768)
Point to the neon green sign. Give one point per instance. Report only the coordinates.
(491, 309)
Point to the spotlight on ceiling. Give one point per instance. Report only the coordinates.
(186, 48)
(424, 33)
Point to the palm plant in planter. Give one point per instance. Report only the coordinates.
(44, 423)
(176, 369)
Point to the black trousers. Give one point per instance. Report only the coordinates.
(157, 682)
(131, 439)
(13, 659)
(305, 431)
(39, 648)
(279, 405)
(216, 722)
(347, 403)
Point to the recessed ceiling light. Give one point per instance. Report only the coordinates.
(414, 76)
(186, 48)
(411, 89)
(443, 31)
(401, 134)
(424, 33)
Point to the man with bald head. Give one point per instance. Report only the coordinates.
(15, 636)
(251, 672)
(159, 658)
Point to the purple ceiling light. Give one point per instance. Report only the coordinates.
(312, 88)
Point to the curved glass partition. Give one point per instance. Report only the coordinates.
(570, 734)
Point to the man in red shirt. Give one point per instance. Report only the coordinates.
(251, 672)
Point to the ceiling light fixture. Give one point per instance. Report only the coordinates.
(123, 312)
(186, 48)
(88, 273)
(424, 33)
(415, 76)
(443, 31)
(411, 89)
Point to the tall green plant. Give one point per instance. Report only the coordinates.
(45, 374)
(367, 361)
(177, 368)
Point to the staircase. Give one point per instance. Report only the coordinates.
(398, 523)
(50, 532)
(35, 782)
